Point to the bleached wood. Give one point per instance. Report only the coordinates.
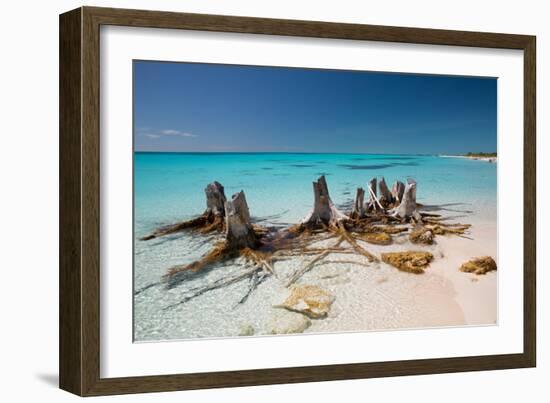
(324, 211)
(373, 198)
(397, 191)
(239, 231)
(358, 210)
(215, 199)
(407, 207)
(385, 194)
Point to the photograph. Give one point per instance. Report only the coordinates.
(272, 200)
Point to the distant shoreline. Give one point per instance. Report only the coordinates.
(473, 157)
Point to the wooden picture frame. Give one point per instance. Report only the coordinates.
(79, 348)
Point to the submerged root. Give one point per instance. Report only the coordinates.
(256, 279)
(220, 253)
(358, 248)
(428, 215)
(376, 238)
(261, 259)
(174, 228)
(350, 262)
(204, 224)
(260, 270)
(217, 224)
(220, 283)
(389, 229)
(261, 246)
(299, 273)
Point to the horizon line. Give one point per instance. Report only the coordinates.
(301, 152)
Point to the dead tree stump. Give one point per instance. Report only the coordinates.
(212, 218)
(215, 199)
(240, 240)
(411, 181)
(397, 191)
(324, 212)
(407, 207)
(386, 197)
(358, 210)
(373, 199)
(239, 231)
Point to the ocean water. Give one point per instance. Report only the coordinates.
(169, 187)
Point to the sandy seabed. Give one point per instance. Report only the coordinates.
(375, 297)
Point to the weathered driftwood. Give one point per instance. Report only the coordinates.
(358, 248)
(240, 240)
(407, 207)
(326, 215)
(212, 218)
(220, 283)
(397, 191)
(239, 231)
(411, 181)
(388, 229)
(324, 211)
(260, 247)
(304, 269)
(255, 280)
(373, 203)
(386, 197)
(215, 199)
(358, 210)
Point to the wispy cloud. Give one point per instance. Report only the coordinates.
(156, 134)
(171, 132)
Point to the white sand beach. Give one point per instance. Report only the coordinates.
(474, 158)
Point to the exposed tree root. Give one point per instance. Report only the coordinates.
(355, 262)
(211, 220)
(256, 279)
(358, 248)
(197, 222)
(389, 229)
(222, 252)
(260, 259)
(299, 273)
(220, 283)
(374, 221)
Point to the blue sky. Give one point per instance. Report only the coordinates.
(221, 108)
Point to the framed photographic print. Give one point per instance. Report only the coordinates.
(249, 201)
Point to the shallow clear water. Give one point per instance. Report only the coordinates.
(169, 187)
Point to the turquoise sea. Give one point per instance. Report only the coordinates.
(169, 187)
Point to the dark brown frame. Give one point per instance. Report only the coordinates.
(79, 201)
